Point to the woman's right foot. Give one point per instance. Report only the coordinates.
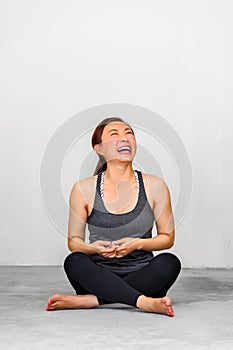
(157, 305)
(64, 301)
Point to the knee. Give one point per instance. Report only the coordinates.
(174, 260)
(171, 262)
(72, 259)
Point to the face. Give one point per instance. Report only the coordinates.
(118, 142)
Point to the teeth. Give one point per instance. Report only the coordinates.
(124, 149)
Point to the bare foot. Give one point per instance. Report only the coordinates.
(157, 305)
(63, 301)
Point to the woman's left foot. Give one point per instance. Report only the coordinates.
(157, 305)
(63, 301)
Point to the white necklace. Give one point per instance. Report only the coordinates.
(102, 182)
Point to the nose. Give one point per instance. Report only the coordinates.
(123, 138)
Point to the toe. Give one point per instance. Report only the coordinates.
(169, 306)
(170, 311)
(167, 301)
(52, 307)
(55, 297)
(52, 300)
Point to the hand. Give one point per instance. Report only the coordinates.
(125, 246)
(104, 248)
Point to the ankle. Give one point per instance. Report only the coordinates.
(141, 301)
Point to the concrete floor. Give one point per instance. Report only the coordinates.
(202, 301)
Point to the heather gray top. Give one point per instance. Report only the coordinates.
(104, 225)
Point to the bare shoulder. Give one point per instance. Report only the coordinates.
(84, 189)
(156, 188)
(154, 181)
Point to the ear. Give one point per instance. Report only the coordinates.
(98, 149)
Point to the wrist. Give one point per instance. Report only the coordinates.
(76, 245)
(91, 248)
(139, 243)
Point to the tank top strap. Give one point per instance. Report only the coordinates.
(141, 185)
(98, 182)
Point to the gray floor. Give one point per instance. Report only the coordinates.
(202, 301)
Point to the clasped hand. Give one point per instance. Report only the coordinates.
(116, 249)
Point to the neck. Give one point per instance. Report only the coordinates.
(116, 172)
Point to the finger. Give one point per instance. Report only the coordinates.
(109, 255)
(120, 249)
(117, 245)
(110, 249)
(121, 245)
(119, 241)
(107, 251)
(120, 255)
(123, 253)
(105, 243)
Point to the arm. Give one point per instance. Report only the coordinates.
(164, 221)
(77, 221)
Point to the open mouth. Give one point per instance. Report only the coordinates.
(124, 149)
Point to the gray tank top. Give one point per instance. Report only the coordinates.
(137, 223)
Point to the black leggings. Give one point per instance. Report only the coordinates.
(152, 280)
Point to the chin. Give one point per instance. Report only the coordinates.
(125, 159)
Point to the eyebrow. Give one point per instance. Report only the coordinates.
(118, 130)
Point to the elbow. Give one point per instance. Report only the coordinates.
(70, 245)
(171, 240)
(170, 245)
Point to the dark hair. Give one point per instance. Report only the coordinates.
(96, 139)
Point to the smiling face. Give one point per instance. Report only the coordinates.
(117, 142)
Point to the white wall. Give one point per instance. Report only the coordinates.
(61, 57)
